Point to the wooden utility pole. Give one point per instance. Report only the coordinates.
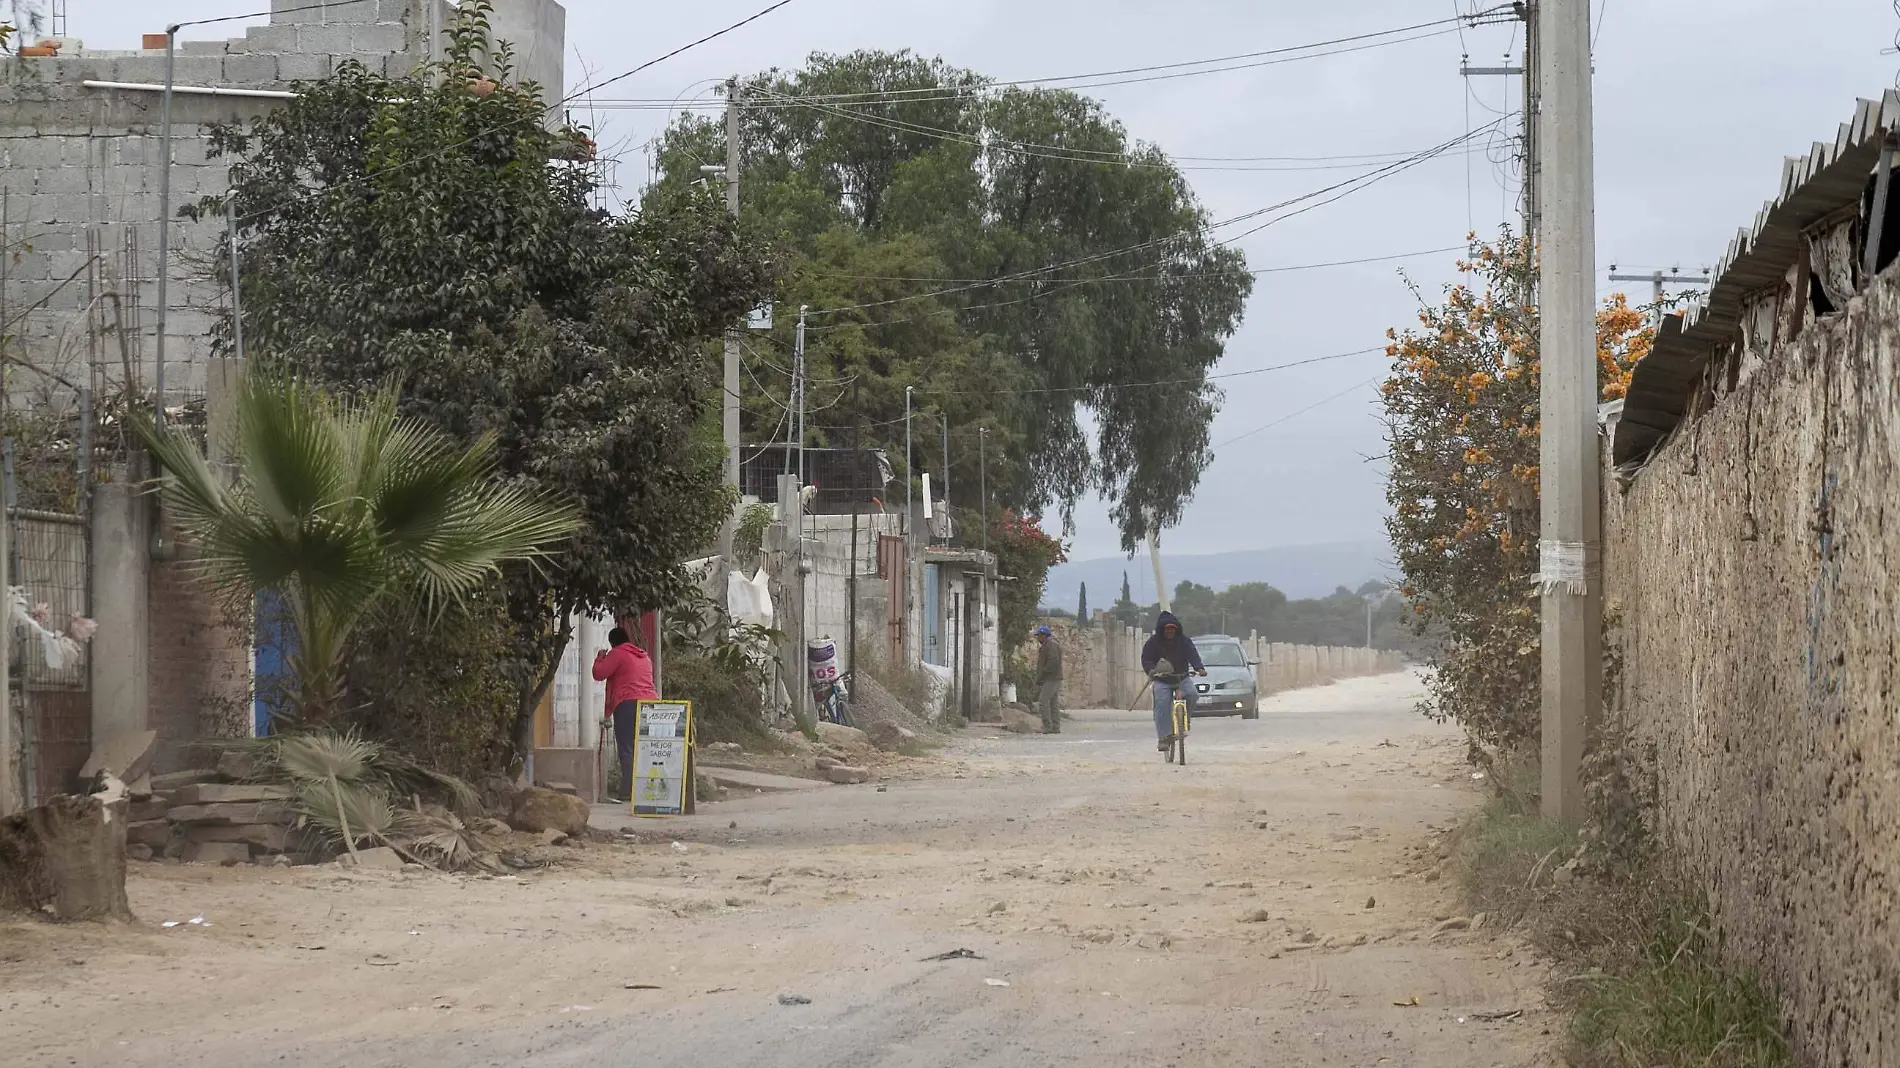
(1570, 568)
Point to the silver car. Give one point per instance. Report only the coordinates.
(1229, 688)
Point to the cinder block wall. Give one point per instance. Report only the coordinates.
(1754, 564)
(80, 168)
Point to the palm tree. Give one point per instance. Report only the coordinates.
(339, 505)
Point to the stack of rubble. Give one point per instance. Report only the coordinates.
(212, 816)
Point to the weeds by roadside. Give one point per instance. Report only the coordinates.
(1639, 960)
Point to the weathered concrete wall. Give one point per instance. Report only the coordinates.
(1754, 564)
(828, 589)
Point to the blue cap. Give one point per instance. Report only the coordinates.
(1044, 629)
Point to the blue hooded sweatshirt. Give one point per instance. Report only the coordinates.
(1179, 651)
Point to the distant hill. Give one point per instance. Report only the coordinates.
(1299, 571)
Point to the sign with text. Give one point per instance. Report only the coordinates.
(663, 732)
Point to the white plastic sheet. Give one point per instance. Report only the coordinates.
(939, 679)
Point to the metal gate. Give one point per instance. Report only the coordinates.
(51, 560)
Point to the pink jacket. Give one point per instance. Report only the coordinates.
(628, 672)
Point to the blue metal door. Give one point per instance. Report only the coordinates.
(272, 646)
(933, 626)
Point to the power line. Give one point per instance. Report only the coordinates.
(1295, 414)
(1359, 181)
(1123, 157)
(256, 15)
(1196, 380)
(578, 93)
(1166, 277)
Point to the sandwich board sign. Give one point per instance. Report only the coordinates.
(661, 761)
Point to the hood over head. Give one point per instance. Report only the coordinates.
(1166, 618)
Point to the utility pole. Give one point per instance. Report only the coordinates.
(1656, 280)
(943, 424)
(1532, 208)
(1570, 546)
(910, 472)
(798, 390)
(1161, 584)
(9, 784)
(164, 227)
(983, 480)
(237, 311)
(729, 400)
(857, 474)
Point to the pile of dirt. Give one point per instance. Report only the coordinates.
(888, 722)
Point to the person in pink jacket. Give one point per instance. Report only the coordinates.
(628, 672)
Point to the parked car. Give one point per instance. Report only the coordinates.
(1229, 688)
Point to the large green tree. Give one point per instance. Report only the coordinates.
(437, 231)
(1011, 253)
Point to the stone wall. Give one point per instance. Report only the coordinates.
(1753, 567)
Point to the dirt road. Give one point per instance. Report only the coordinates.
(1256, 908)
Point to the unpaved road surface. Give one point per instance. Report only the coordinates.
(1258, 907)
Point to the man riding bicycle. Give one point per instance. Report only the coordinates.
(1167, 658)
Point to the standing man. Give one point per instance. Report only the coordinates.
(1048, 679)
(628, 672)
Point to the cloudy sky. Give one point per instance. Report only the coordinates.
(1697, 103)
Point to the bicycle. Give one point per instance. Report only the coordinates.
(834, 700)
(1182, 719)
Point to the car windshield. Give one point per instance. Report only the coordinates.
(1223, 654)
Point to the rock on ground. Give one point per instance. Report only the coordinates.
(225, 853)
(1019, 722)
(536, 810)
(381, 858)
(889, 736)
(846, 740)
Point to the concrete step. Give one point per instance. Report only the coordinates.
(740, 779)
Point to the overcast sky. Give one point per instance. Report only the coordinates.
(1697, 102)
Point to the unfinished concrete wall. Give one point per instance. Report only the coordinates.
(1753, 564)
(79, 173)
(828, 589)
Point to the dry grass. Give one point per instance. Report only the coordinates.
(1641, 966)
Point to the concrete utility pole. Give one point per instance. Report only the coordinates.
(729, 400)
(1161, 583)
(9, 800)
(1656, 280)
(1570, 567)
(164, 227)
(982, 481)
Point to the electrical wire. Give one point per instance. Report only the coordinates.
(1186, 381)
(564, 101)
(1295, 414)
(1163, 278)
(1115, 158)
(253, 15)
(1350, 185)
